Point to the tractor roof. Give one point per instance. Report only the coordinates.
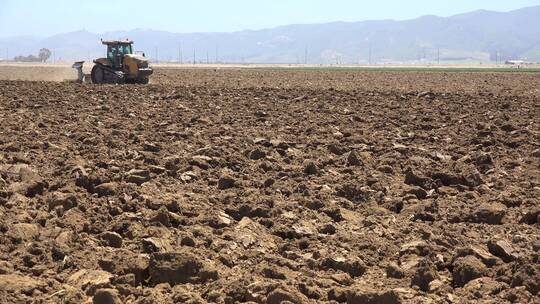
(116, 42)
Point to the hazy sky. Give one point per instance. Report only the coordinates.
(46, 17)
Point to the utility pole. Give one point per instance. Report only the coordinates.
(207, 57)
(439, 56)
(194, 61)
(179, 53)
(306, 55)
(7, 54)
(370, 54)
(157, 55)
(217, 53)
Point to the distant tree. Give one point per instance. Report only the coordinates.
(44, 54)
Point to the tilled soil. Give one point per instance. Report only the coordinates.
(272, 186)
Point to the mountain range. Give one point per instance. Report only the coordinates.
(479, 36)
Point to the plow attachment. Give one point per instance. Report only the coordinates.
(80, 74)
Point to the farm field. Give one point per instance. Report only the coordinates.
(229, 185)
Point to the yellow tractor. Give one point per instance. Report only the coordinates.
(121, 65)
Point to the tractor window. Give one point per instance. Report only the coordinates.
(111, 52)
(126, 49)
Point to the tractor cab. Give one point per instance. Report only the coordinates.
(116, 50)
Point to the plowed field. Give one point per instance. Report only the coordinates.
(271, 186)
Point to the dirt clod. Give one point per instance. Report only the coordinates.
(502, 249)
(310, 168)
(373, 297)
(106, 189)
(466, 269)
(425, 273)
(394, 271)
(226, 182)
(353, 267)
(106, 296)
(179, 268)
(280, 296)
(112, 239)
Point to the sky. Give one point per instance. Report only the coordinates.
(48, 17)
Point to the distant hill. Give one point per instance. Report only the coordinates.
(477, 36)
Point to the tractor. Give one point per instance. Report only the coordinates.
(120, 66)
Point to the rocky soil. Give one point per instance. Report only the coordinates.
(271, 186)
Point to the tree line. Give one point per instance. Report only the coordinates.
(43, 55)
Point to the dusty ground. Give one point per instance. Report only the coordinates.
(271, 186)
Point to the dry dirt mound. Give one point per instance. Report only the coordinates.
(182, 193)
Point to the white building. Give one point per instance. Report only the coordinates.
(515, 62)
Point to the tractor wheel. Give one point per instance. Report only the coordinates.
(97, 74)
